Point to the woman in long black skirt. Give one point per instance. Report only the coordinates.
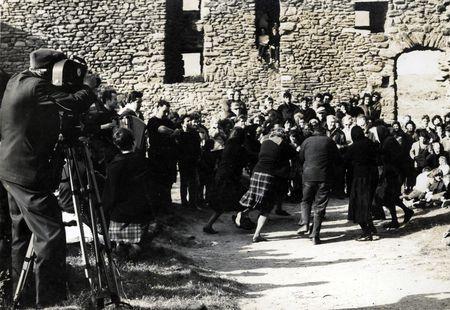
(362, 156)
(228, 187)
(392, 176)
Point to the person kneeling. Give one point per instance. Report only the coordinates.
(125, 196)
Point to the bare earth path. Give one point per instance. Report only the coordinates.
(408, 269)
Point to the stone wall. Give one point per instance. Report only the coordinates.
(126, 42)
(322, 50)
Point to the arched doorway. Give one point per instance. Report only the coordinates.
(420, 86)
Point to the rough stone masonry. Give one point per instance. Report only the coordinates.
(127, 42)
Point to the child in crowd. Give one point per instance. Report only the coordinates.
(125, 196)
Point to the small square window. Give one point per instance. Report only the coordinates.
(191, 5)
(362, 19)
(371, 16)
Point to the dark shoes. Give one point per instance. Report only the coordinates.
(408, 215)
(235, 221)
(365, 237)
(392, 226)
(281, 212)
(303, 230)
(243, 222)
(316, 240)
(209, 230)
(259, 239)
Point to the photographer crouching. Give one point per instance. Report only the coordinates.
(30, 126)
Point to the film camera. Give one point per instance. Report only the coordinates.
(69, 72)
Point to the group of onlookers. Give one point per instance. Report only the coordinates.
(303, 150)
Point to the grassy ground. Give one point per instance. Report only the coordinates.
(161, 277)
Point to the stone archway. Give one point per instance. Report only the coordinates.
(399, 45)
(420, 83)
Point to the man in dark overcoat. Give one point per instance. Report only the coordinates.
(29, 127)
(318, 154)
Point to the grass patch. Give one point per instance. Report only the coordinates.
(162, 277)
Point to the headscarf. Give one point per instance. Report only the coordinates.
(237, 135)
(382, 133)
(357, 133)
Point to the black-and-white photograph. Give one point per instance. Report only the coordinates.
(225, 154)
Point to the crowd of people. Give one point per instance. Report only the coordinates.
(303, 150)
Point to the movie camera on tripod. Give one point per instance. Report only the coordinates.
(74, 147)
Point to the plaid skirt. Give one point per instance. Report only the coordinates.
(260, 194)
(127, 232)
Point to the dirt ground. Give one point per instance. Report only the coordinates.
(407, 269)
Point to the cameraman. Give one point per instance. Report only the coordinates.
(29, 127)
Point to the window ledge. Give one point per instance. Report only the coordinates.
(358, 31)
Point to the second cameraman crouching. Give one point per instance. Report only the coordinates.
(125, 195)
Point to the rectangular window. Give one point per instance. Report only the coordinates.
(191, 5)
(267, 35)
(184, 42)
(192, 66)
(371, 16)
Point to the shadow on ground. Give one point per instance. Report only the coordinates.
(415, 302)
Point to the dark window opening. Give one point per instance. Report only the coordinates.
(370, 16)
(267, 36)
(183, 42)
(385, 81)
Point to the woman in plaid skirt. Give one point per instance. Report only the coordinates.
(125, 196)
(273, 165)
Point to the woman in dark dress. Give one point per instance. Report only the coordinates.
(362, 156)
(393, 173)
(265, 183)
(228, 187)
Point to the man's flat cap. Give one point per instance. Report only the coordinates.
(44, 58)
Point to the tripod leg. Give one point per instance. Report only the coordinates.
(110, 274)
(87, 269)
(27, 263)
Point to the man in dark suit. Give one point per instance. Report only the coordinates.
(163, 154)
(318, 154)
(29, 127)
(188, 160)
(287, 109)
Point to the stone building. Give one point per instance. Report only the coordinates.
(341, 46)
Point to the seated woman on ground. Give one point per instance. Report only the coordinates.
(435, 193)
(125, 196)
(437, 189)
(423, 182)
